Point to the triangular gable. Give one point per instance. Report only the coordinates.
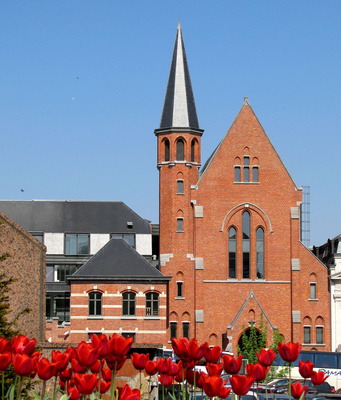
(213, 155)
(251, 296)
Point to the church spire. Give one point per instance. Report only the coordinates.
(179, 109)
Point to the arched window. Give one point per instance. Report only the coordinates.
(180, 150)
(193, 146)
(152, 304)
(232, 252)
(260, 253)
(246, 245)
(166, 149)
(128, 303)
(95, 304)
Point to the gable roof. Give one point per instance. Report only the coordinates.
(212, 156)
(74, 216)
(179, 109)
(117, 260)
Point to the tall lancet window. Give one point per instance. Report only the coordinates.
(180, 150)
(232, 252)
(260, 253)
(246, 245)
(166, 150)
(193, 145)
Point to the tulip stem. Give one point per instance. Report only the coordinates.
(19, 389)
(289, 380)
(3, 384)
(43, 390)
(54, 388)
(112, 387)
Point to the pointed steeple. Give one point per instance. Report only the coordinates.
(179, 109)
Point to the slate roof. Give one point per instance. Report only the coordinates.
(179, 109)
(74, 216)
(117, 260)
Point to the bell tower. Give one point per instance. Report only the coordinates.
(178, 162)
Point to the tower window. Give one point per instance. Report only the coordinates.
(173, 329)
(180, 153)
(232, 252)
(166, 150)
(185, 330)
(180, 225)
(260, 253)
(246, 169)
(319, 334)
(246, 245)
(180, 185)
(179, 289)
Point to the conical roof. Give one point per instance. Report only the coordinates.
(179, 109)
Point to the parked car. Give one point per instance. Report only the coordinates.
(323, 388)
(324, 396)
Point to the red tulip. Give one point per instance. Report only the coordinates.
(120, 346)
(195, 351)
(101, 342)
(5, 360)
(23, 364)
(115, 363)
(73, 392)
(201, 380)
(318, 377)
(46, 369)
(190, 376)
(257, 371)
(104, 386)
(266, 357)
(85, 383)
(106, 374)
(231, 365)
(151, 367)
(95, 368)
(297, 389)
(76, 367)
(139, 360)
(165, 380)
(241, 384)
(5, 345)
(60, 359)
(23, 345)
(213, 354)
(213, 385)
(65, 375)
(128, 394)
(224, 392)
(306, 369)
(163, 365)
(215, 369)
(290, 351)
(175, 368)
(180, 347)
(86, 354)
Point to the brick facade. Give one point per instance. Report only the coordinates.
(213, 302)
(27, 265)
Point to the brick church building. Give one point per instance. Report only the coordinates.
(230, 230)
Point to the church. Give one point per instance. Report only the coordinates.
(230, 250)
(230, 230)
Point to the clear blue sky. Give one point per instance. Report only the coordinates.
(83, 84)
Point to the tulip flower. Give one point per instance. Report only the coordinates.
(190, 376)
(305, 368)
(213, 354)
(23, 345)
(5, 360)
(151, 367)
(290, 351)
(297, 390)
(106, 374)
(5, 345)
(175, 368)
(60, 359)
(266, 357)
(224, 392)
(201, 379)
(101, 342)
(180, 347)
(196, 352)
(23, 364)
(120, 346)
(65, 375)
(165, 380)
(76, 367)
(241, 384)
(129, 394)
(139, 360)
(163, 365)
(115, 363)
(215, 369)
(104, 386)
(46, 369)
(231, 365)
(213, 385)
(85, 383)
(73, 392)
(318, 377)
(258, 371)
(95, 368)
(86, 354)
